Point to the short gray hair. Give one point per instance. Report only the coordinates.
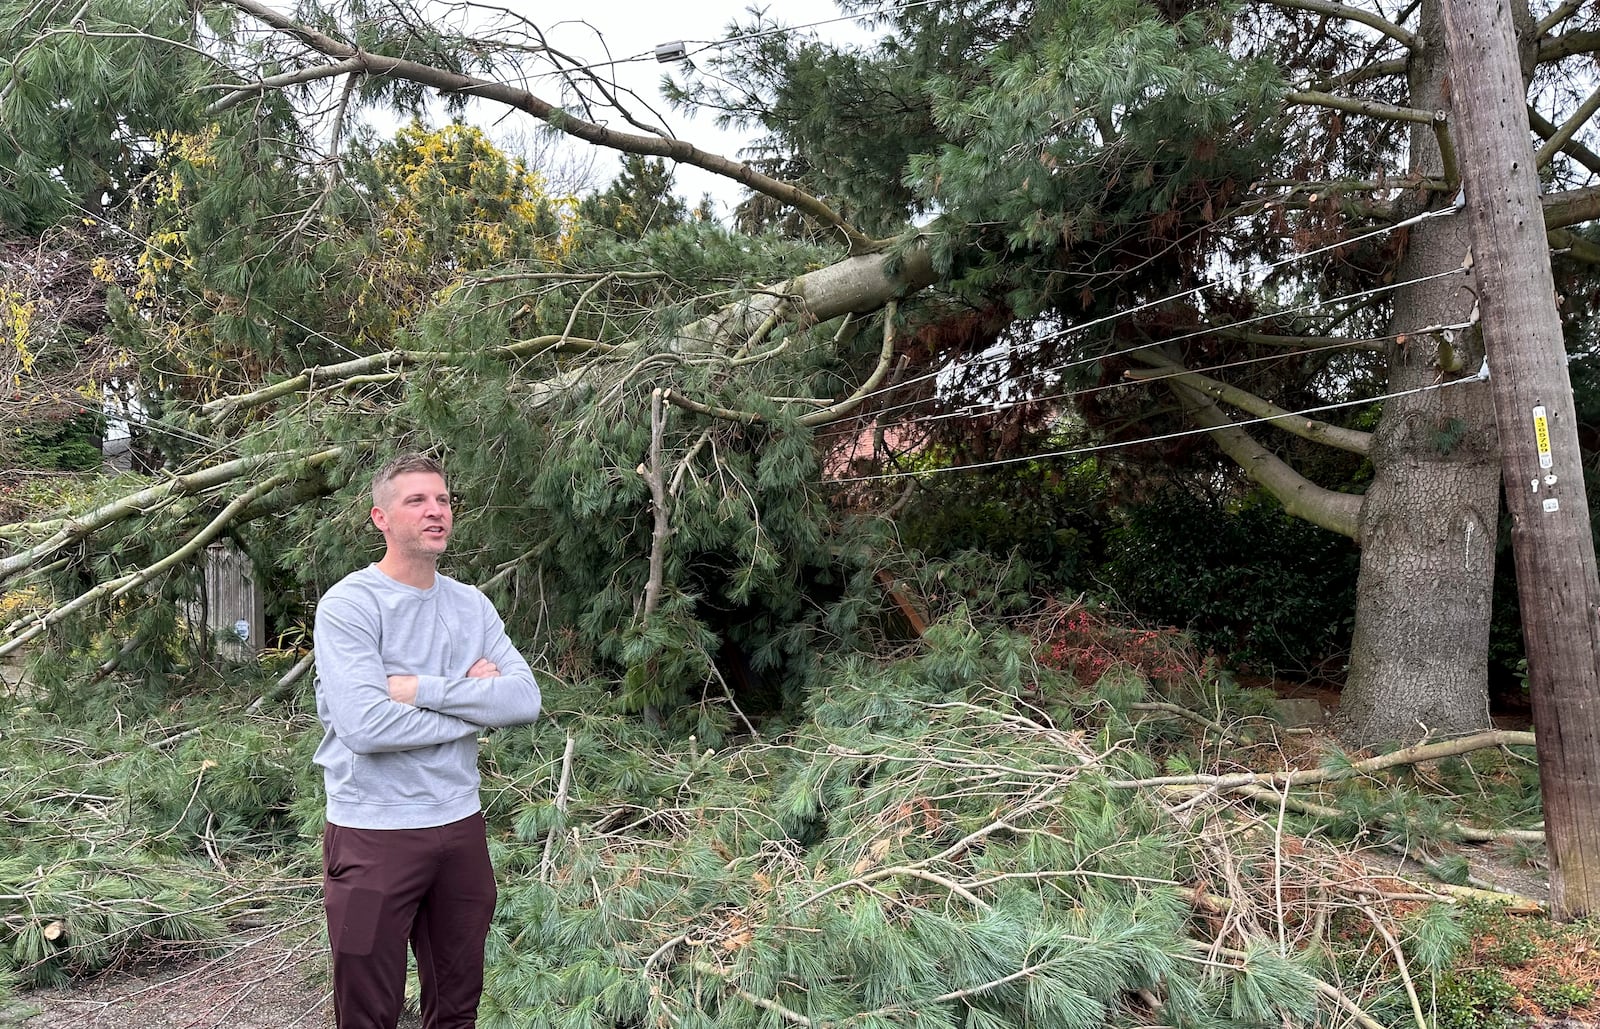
(403, 464)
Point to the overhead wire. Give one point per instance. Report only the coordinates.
(717, 44)
(1119, 444)
(1194, 291)
(1081, 361)
(981, 411)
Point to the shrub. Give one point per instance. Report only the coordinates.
(1246, 579)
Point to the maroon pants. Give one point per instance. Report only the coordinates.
(383, 887)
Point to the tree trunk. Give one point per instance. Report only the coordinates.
(1419, 657)
(1550, 534)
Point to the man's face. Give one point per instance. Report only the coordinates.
(413, 513)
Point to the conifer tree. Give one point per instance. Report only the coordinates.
(639, 200)
(1284, 173)
(631, 418)
(1081, 162)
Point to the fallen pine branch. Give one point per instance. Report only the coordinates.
(1304, 777)
(1467, 833)
(78, 528)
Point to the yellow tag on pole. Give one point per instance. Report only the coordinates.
(1541, 435)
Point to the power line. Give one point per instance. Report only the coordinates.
(1197, 290)
(1079, 362)
(1077, 451)
(703, 45)
(976, 411)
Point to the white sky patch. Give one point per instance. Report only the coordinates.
(620, 38)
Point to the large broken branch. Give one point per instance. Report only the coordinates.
(834, 411)
(1415, 754)
(74, 530)
(322, 376)
(451, 82)
(111, 589)
(1352, 440)
(856, 285)
(1300, 497)
(1468, 833)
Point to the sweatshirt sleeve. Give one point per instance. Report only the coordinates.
(510, 698)
(354, 687)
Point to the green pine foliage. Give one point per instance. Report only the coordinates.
(936, 839)
(888, 861)
(77, 111)
(638, 201)
(68, 445)
(836, 819)
(146, 819)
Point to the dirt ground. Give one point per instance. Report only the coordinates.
(272, 979)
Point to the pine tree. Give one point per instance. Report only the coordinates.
(1282, 176)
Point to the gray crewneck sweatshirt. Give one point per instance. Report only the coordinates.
(388, 765)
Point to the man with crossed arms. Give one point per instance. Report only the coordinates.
(412, 666)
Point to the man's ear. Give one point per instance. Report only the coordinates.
(380, 519)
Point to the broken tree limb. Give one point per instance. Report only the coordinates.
(833, 412)
(1301, 777)
(655, 477)
(1512, 903)
(1186, 714)
(913, 617)
(1467, 833)
(139, 502)
(122, 585)
(286, 680)
(1299, 496)
(1352, 440)
(359, 369)
(853, 401)
(449, 82)
(547, 858)
(856, 285)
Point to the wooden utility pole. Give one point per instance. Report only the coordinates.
(1550, 531)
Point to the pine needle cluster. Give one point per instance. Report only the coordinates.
(960, 835)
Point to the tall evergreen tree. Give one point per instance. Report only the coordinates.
(638, 201)
(1283, 173)
(1080, 163)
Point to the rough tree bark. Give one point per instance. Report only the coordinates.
(1419, 657)
(1551, 535)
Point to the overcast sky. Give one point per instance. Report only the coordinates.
(613, 30)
